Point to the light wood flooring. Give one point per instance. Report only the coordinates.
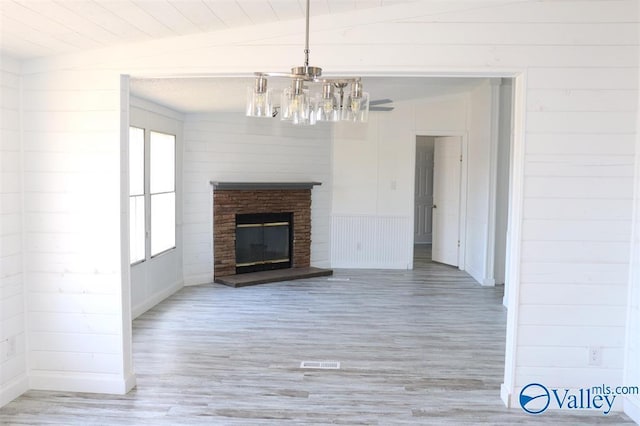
(422, 347)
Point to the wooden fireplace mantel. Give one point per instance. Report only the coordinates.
(252, 186)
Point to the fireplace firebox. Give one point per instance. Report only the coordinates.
(263, 241)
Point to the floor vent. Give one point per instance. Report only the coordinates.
(322, 365)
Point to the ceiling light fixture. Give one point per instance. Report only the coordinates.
(299, 106)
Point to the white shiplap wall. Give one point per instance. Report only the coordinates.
(577, 211)
(578, 58)
(632, 355)
(12, 294)
(76, 289)
(232, 148)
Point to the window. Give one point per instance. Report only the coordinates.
(162, 187)
(152, 193)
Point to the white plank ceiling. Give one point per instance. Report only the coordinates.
(37, 28)
(32, 29)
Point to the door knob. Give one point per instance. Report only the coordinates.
(434, 207)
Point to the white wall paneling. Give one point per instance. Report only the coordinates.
(73, 239)
(156, 278)
(371, 241)
(632, 348)
(13, 336)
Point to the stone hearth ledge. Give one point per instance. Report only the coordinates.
(276, 275)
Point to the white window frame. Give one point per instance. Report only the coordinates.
(147, 194)
(148, 206)
(143, 195)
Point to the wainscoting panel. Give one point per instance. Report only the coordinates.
(362, 241)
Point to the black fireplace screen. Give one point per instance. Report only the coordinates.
(263, 241)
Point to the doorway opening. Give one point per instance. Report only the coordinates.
(461, 193)
(437, 201)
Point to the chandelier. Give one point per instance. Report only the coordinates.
(339, 99)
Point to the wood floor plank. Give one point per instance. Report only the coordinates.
(422, 347)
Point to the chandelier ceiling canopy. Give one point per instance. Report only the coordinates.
(338, 99)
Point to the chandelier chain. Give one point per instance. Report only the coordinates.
(306, 43)
(297, 103)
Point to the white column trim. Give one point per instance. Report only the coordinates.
(514, 238)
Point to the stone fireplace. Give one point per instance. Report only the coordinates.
(252, 212)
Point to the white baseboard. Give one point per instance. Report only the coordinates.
(632, 409)
(354, 265)
(76, 382)
(505, 395)
(474, 274)
(154, 299)
(324, 264)
(13, 389)
(198, 279)
(489, 282)
(130, 382)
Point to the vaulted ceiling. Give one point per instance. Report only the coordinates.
(31, 29)
(37, 28)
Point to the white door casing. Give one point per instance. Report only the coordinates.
(446, 200)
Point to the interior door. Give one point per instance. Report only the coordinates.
(423, 191)
(446, 200)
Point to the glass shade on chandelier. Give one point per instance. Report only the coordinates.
(296, 106)
(358, 109)
(328, 106)
(335, 107)
(259, 101)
